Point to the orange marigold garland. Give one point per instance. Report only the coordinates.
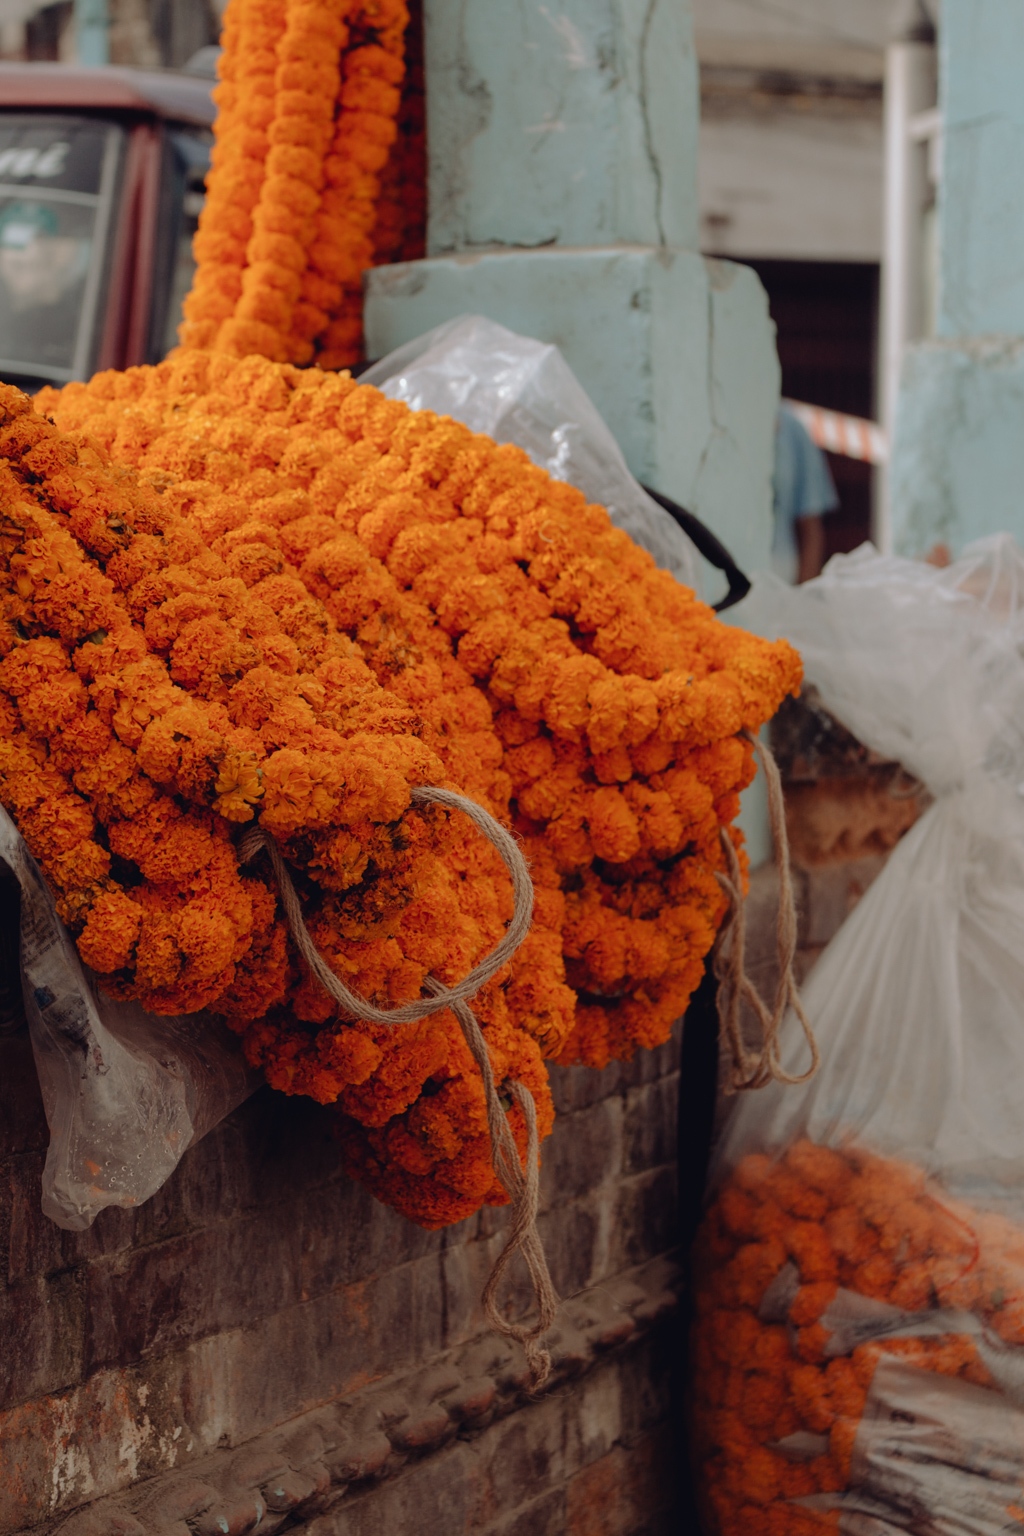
(400, 231)
(307, 104)
(245, 107)
(364, 133)
(149, 709)
(272, 317)
(128, 770)
(778, 1394)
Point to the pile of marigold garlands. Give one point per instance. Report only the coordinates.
(778, 1395)
(241, 592)
(237, 591)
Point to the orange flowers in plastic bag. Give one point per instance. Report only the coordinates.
(856, 1349)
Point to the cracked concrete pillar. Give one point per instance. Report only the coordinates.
(563, 125)
(562, 142)
(958, 451)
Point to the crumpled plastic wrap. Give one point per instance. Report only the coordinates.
(522, 391)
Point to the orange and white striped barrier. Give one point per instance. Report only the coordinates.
(852, 436)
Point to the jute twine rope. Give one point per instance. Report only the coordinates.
(754, 1069)
(909, 790)
(521, 1185)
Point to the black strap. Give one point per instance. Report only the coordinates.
(711, 548)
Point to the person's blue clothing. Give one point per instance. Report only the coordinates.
(802, 485)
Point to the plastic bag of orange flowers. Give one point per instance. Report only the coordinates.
(859, 1274)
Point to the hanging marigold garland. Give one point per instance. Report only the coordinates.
(309, 95)
(271, 317)
(365, 132)
(400, 231)
(245, 106)
(158, 689)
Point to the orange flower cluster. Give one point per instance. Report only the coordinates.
(842, 1219)
(158, 689)
(326, 598)
(273, 315)
(401, 228)
(306, 116)
(563, 680)
(251, 32)
(364, 133)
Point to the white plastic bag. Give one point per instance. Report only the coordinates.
(125, 1092)
(860, 1353)
(522, 391)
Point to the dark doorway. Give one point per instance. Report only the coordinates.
(826, 316)
(44, 30)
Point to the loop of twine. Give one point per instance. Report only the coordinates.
(908, 791)
(754, 1069)
(521, 1186)
(255, 839)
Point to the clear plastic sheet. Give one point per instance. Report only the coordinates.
(522, 391)
(125, 1092)
(860, 1272)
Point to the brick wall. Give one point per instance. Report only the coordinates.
(263, 1333)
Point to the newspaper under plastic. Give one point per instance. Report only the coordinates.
(125, 1092)
(522, 391)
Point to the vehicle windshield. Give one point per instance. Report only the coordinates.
(57, 180)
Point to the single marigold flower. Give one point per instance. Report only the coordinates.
(795, 1195)
(811, 1301)
(811, 1251)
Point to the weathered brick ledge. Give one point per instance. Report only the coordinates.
(295, 1477)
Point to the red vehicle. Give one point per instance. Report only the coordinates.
(101, 183)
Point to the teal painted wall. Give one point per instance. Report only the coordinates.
(573, 123)
(981, 197)
(563, 203)
(958, 454)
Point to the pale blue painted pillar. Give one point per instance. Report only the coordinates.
(563, 203)
(92, 31)
(958, 462)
